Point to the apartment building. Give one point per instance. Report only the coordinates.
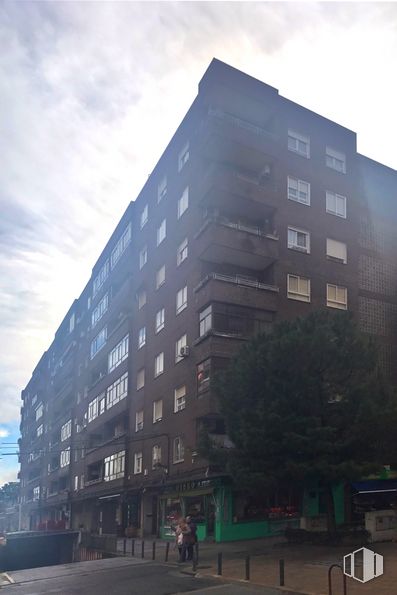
(258, 210)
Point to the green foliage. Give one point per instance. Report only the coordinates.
(306, 402)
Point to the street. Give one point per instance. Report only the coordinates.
(118, 576)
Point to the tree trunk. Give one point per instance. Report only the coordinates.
(331, 522)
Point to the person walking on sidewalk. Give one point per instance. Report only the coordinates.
(183, 538)
(193, 537)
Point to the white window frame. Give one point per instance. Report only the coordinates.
(298, 295)
(142, 337)
(178, 450)
(100, 278)
(138, 463)
(120, 246)
(64, 459)
(160, 320)
(339, 199)
(333, 158)
(100, 310)
(205, 320)
(140, 379)
(142, 257)
(182, 252)
(162, 189)
(159, 364)
(144, 218)
(93, 409)
(39, 412)
(336, 250)
(114, 466)
(183, 203)
(294, 245)
(66, 430)
(179, 398)
(142, 298)
(118, 354)
(156, 455)
(181, 342)
(139, 421)
(161, 232)
(183, 156)
(117, 391)
(40, 430)
(298, 139)
(157, 410)
(300, 184)
(98, 342)
(181, 300)
(334, 302)
(160, 276)
(72, 320)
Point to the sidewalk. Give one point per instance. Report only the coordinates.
(306, 566)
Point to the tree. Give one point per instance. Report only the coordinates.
(305, 402)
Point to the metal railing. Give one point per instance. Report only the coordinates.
(237, 280)
(240, 122)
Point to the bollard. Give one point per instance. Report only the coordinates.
(282, 568)
(219, 573)
(124, 546)
(143, 549)
(133, 547)
(167, 550)
(153, 550)
(247, 568)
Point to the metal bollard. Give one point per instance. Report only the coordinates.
(247, 568)
(143, 549)
(133, 547)
(124, 546)
(167, 551)
(282, 573)
(153, 550)
(219, 573)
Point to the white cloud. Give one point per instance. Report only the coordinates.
(4, 433)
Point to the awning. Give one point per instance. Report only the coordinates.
(375, 486)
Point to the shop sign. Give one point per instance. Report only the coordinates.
(194, 484)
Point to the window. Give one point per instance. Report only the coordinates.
(162, 189)
(160, 277)
(140, 379)
(100, 279)
(298, 143)
(137, 463)
(181, 299)
(183, 202)
(139, 421)
(65, 457)
(157, 410)
(117, 391)
(298, 190)
(298, 288)
(120, 247)
(181, 343)
(161, 232)
(100, 310)
(183, 157)
(181, 253)
(98, 342)
(34, 400)
(179, 399)
(159, 364)
(36, 493)
(335, 160)
(39, 411)
(160, 320)
(336, 297)
(203, 375)
(142, 337)
(114, 466)
(205, 318)
(144, 216)
(179, 450)
(336, 251)
(71, 322)
(143, 257)
(141, 299)
(118, 354)
(40, 430)
(101, 403)
(298, 240)
(336, 204)
(66, 430)
(93, 409)
(76, 483)
(156, 456)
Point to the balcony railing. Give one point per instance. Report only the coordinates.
(239, 122)
(239, 226)
(237, 280)
(92, 482)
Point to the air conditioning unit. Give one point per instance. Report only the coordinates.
(184, 351)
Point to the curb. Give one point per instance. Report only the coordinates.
(7, 577)
(283, 590)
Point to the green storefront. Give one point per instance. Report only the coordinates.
(222, 513)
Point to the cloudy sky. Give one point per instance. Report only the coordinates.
(90, 93)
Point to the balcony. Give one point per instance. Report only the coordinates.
(238, 190)
(229, 138)
(223, 241)
(235, 289)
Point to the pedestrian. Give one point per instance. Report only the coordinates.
(192, 537)
(182, 534)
